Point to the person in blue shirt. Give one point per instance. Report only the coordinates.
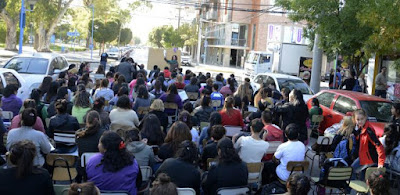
(215, 95)
(338, 78)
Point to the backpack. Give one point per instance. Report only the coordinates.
(345, 149)
(273, 188)
(332, 162)
(394, 159)
(357, 86)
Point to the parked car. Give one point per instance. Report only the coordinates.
(337, 103)
(9, 76)
(114, 53)
(282, 81)
(34, 67)
(186, 59)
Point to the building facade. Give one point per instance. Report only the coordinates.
(232, 28)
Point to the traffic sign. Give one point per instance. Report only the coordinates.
(73, 34)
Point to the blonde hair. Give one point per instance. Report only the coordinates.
(347, 127)
(157, 105)
(179, 78)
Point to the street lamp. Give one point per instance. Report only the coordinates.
(22, 19)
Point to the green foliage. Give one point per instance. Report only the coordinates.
(105, 32)
(136, 40)
(126, 36)
(168, 37)
(3, 31)
(62, 30)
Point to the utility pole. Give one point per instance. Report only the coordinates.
(316, 65)
(199, 42)
(91, 42)
(179, 17)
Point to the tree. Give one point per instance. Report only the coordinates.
(126, 36)
(167, 37)
(136, 40)
(9, 12)
(105, 32)
(47, 14)
(337, 24)
(156, 36)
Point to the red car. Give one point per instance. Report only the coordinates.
(336, 103)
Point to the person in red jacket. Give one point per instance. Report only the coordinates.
(370, 150)
(230, 115)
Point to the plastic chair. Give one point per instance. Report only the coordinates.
(336, 174)
(8, 115)
(86, 156)
(273, 146)
(233, 190)
(321, 142)
(147, 172)
(193, 96)
(186, 191)
(361, 186)
(255, 171)
(172, 106)
(61, 189)
(63, 166)
(297, 166)
(216, 103)
(64, 137)
(232, 130)
(143, 110)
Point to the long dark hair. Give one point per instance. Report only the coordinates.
(379, 183)
(142, 92)
(36, 95)
(172, 92)
(45, 86)
(139, 82)
(231, 83)
(185, 117)
(298, 184)
(99, 104)
(392, 138)
(187, 152)
(152, 130)
(82, 98)
(178, 133)
(93, 124)
(72, 83)
(115, 156)
(52, 91)
(228, 153)
(215, 119)
(22, 154)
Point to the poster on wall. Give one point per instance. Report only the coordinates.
(305, 69)
(274, 33)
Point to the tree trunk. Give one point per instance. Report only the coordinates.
(36, 42)
(45, 35)
(11, 35)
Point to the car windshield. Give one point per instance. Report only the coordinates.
(252, 58)
(294, 84)
(113, 50)
(377, 111)
(28, 65)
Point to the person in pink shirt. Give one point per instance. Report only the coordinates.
(16, 121)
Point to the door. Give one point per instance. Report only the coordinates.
(233, 60)
(325, 101)
(264, 64)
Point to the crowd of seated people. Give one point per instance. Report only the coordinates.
(129, 122)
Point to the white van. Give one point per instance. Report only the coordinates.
(258, 62)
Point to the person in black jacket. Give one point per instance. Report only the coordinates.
(23, 177)
(183, 169)
(62, 93)
(349, 82)
(295, 111)
(230, 171)
(62, 121)
(210, 150)
(178, 133)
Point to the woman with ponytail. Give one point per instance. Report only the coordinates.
(87, 188)
(185, 117)
(378, 183)
(230, 115)
(114, 168)
(230, 171)
(87, 138)
(163, 185)
(98, 105)
(23, 177)
(26, 132)
(298, 184)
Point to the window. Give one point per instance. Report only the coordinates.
(295, 84)
(377, 111)
(60, 64)
(326, 99)
(253, 37)
(344, 105)
(258, 80)
(270, 80)
(265, 58)
(28, 65)
(11, 79)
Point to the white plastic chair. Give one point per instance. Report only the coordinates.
(232, 130)
(8, 115)
(233, 190)
(65, 137)
(85, 157)
(147, 172)
(186, 191)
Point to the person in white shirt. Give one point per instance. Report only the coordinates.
(292, 150)
(251, 149)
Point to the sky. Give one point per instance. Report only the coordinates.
(143, 21)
